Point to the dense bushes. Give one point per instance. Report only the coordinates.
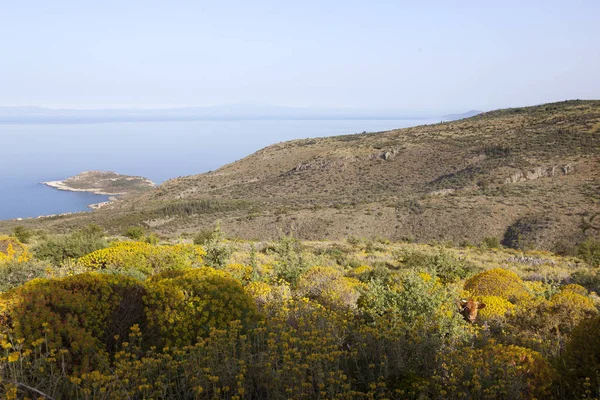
(144, 258)
(58, 249)
(590, 252)
(14, 273)
(580, 365)
(546, 324)
(81, 314)
(287, 320)
(186, 305)
(495, 308)
(495, 372)
(329, 287)
(441, 263)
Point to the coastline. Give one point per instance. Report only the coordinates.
(60, 185)
(97, 178)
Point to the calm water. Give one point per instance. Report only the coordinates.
(30, 154)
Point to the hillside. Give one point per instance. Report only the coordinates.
(527, 175)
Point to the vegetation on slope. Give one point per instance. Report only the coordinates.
(287, 319)
(526, 176)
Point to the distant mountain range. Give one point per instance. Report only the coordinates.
(468, 114)
(223, 112)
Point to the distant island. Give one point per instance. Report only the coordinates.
(103, 183)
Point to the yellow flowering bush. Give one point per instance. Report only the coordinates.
(498, 282)
(573, 287)
(144, 257)
(186, 305)
(13, 250)
(195, 333)
(329, 287)
(81, 314)
(266, 295)
(361, 272)
(495, 372)
(240, 272)
(495, 307)
(546, 324)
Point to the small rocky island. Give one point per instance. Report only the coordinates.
(103, 183)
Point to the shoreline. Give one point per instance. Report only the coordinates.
(60, 185)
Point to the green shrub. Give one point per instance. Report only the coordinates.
(58, 249)
(329, 287)
(589, 251)
(490, 242)
(439, 262)
(580, 366)
(14, 273)
(84, 314)
(495, 372)
(291, 263)
(588, 278)
(135, 232)
(202, 237)
(22, 234)
(218, 250)
(151, 239)
(188, 304)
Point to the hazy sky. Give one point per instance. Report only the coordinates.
(411, 55)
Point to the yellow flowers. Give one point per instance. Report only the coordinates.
(495, 307)
(483, 373)
(144, 257)
(498, 282)
(336, 332)
(13, 250)
(198, 299)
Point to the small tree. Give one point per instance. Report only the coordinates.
(202, 237)
(217, 249)
(291, 263)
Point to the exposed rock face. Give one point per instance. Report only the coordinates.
(387, 155)
(539, 172)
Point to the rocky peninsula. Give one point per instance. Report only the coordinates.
(103, 183)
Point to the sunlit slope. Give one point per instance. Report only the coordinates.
(536, 167)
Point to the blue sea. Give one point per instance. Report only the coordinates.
(34, 153)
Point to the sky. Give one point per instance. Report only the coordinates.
(446, 56)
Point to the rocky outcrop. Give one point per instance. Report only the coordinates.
(387, 155)
(539, 172)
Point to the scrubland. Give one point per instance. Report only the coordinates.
(91, 316)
